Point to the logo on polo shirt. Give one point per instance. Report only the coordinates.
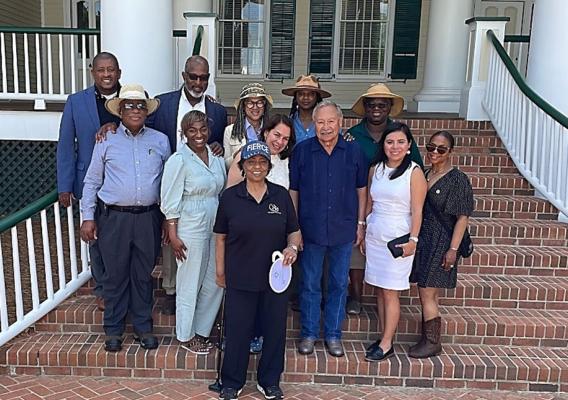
(273, 209)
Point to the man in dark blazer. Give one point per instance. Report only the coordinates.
(83, 114)
(191, 96)
(167, 119)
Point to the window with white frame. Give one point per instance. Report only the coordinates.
(363, 37)
(352, 32)
(241, 37)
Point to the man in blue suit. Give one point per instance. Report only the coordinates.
(83, 114)
(167, 119)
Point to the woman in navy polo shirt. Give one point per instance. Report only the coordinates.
(255, 218)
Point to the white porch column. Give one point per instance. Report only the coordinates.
(446, 57)
(139, 33)
(548, 59)
(208, 48)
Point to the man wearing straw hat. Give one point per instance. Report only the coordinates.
(120, 210)
(375, 106)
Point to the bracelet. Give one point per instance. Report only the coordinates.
(453, 248)
(362, 223)
(172, 222)
(293, 247)
(413, 238)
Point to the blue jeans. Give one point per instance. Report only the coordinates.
(311, 262)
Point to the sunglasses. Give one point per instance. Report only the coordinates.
(431, 147)
(135, 106)
(195, 77)
(380, 106)
(257, 104)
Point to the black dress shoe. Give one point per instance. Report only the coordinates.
(147, 340)
(373, 347)
(378, 354)
(113, 343)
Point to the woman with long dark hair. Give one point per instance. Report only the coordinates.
(253, 107)
(397, 189)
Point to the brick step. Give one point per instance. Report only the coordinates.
(487, 164)
(518, 232)
(502, 260)
(515, 207)
(481, 366)
(423, 126)
(471, 325)
(504, 292)
(500, 184)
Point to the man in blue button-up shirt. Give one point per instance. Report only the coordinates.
(120, 210)
(328, 185)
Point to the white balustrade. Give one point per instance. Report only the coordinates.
(535, 135)
(32, 296)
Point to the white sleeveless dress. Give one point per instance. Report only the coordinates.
(390, 218)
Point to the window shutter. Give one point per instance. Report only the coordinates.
(282, 23)
(405, 41)
(322, 13)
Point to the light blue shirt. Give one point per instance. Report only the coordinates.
(301, 132)
(250, 131)
(126, 170)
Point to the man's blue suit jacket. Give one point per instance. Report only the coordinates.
(165, 118)
(79, 124)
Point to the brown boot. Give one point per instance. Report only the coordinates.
(420, 342)
(432, 345)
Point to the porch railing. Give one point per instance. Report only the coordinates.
(47, 63)
(51, 63)
(534, 132)
(517, 47)
(34, 279)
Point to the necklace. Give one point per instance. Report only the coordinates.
(432, 174)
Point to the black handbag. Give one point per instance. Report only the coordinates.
(397, 251)
(465, 249)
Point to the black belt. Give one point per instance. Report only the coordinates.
(131, 209)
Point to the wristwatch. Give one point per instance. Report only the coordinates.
(363, 223)
(413, 238)
(293, 247)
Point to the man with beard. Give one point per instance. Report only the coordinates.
(375, 106)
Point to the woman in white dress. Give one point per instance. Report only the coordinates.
(397, 189)
(278, 134)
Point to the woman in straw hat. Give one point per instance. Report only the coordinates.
(376, 105)
(252, 107)
(306, 93)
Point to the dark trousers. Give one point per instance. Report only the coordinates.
(129, 245)
(97, 268)
(240, 312)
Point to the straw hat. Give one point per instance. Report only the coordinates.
(306, 82)
(379, 90)
(253, 90)
(131, 91)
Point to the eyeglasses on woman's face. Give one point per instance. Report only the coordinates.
(431, 147)
(252, 104)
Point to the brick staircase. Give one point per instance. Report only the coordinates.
(504, 326)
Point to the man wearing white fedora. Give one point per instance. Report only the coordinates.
(120, 210)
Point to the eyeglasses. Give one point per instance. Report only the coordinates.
(195, 77)
(257, 104)
(135, 106)
(380, 106)
(431, 147)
